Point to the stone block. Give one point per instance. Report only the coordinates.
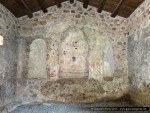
(145, 32)
(2, 92)
(3, 110)
(108, 78)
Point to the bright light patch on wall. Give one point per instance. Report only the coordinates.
(1, 40)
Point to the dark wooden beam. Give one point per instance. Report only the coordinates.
(59, 3)
(117, 8)
(71, 1)
(23, 5)
(85, 3)
(41, 4)
(101, 6)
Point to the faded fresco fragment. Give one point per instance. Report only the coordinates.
(73, 54)
(37, 59)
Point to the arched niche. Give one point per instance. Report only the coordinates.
(37, 59)
(101, 62)
(73, 54)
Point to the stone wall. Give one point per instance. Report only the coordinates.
(140, 18)
(8, 57)
(95, 28)
(72, 42)
(139, 54)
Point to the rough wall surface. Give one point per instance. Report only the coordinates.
(72, 42)
(140, 18)
(8, 60)
(94, 27)
(139, 54)
(79, 43)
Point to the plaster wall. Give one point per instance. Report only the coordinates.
(94, 28)
(39, 53)
(8, 57)
(75, 43)
(139, 54)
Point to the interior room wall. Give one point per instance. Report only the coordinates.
(139, 54)
(75, 43)
(105, 50)
(8, 57)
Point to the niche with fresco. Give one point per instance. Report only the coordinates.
(73, 54)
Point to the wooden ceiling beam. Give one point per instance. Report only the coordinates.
(71, 1)
(85, 3)
(41, 4)
(23, 5)
(114, 14)
(102, 4)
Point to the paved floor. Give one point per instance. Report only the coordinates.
(73, 108)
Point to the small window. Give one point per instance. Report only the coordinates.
(1, 40)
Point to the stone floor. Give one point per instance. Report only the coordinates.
(73, 108)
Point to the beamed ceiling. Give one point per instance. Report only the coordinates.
(122, 8)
